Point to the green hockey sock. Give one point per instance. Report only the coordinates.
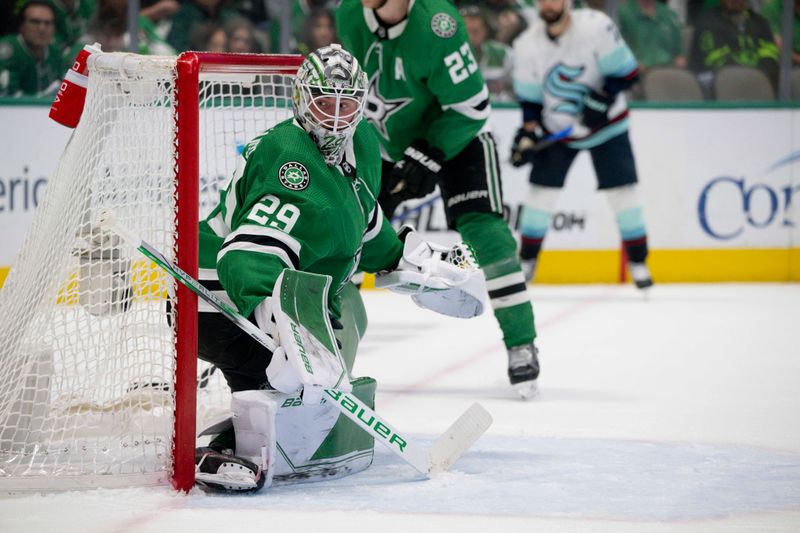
(495, 250)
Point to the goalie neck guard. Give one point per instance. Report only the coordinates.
(328, 96)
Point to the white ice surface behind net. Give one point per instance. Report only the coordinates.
(676, 413)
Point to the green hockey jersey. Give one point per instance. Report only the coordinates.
(424, 80)
(285, 208)
(72, 22)
(23, 74)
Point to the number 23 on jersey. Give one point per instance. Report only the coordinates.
(461, 64)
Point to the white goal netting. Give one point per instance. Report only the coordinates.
(87, 336)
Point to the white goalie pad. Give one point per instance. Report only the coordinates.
(252, 416)
(254, 425)
(445, 280)
(308, 356)
(292, 441)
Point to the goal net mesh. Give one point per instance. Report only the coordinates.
(87, 336)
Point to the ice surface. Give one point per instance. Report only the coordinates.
(679, 412)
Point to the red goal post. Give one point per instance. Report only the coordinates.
(190, 67)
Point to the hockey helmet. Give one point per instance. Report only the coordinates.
(328, 96)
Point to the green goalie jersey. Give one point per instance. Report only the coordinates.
(285, 208)
(424, 80)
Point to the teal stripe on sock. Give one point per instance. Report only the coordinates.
(631, 223)
(534, 222)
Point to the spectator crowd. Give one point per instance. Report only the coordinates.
(40, 38)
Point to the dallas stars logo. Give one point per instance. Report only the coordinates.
(294, 176)
(377, 109)
(443, 25)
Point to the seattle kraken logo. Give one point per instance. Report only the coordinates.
(560, 82)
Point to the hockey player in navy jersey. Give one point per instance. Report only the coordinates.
(571, 68)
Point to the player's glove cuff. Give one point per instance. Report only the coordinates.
(425, 155)
(415, 175)
(595, 109)
(522, 150)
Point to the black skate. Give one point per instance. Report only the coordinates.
(221, 471)
(523, 369)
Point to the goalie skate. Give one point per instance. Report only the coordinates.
(224, 472)
(523, 369)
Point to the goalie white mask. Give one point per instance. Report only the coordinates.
(328, 96)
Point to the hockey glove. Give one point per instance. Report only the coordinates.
(522, 150)
(442, 279)
(415, 175)
(595, 109)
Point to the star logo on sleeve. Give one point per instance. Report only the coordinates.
(377, 109)
(294, 176)
(443, 25)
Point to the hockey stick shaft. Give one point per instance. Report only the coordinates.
(361, 414)
(108, 221)
(549, 140)
(416, 209)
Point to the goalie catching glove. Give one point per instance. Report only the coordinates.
(445, 280)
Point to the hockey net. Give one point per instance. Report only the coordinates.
(98, 373)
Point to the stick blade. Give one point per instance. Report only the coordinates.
(459, 437)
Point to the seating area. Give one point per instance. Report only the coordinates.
(734, 83)
(729, 84)
(671, 84)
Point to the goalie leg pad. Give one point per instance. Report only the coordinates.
(254, 427)
(308, 443)
(317, 442)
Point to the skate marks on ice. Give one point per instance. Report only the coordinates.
(563, 481)
(562, 478)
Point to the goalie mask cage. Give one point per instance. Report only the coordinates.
(98, 369)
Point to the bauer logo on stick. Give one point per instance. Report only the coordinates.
(294, 176)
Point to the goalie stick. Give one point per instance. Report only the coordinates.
(442, 454)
